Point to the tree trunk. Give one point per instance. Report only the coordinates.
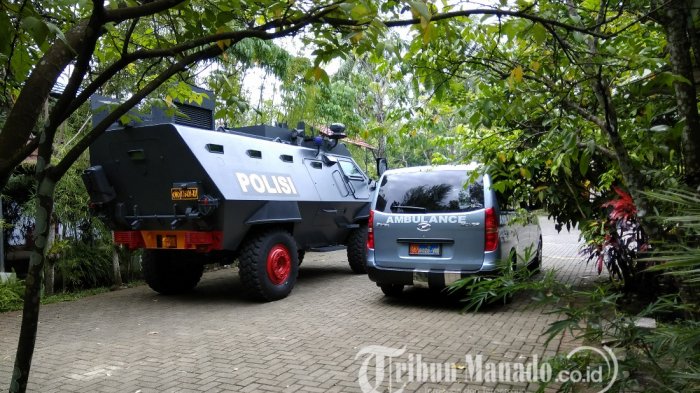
(32, 294)
(2, 240)
(50, 264)
(116, 268)
(675, 22)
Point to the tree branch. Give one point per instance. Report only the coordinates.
(146, 9)
(466, 13)
(82, 64)
(26, 111)
(175, 50)
(603, 150)
(585, 114)
(127, 37)
(75, 152)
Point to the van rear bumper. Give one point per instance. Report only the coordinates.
(421, 278)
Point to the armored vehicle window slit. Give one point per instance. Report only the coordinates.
(254, 153)
(137, 154)
(316, 164)
(286, 158)
(212, 148)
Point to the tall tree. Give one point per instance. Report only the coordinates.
(679, 19)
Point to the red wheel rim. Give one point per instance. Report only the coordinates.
(279, 264)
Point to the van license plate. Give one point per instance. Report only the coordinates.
(418, 249)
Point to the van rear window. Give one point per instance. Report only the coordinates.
(430, 192)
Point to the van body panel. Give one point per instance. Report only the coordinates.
(429, 227)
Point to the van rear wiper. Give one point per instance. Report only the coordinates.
(413, 208)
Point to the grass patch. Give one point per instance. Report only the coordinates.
(70, 296)
(12, 295)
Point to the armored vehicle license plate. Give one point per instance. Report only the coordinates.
(421, 249)
(181, 194)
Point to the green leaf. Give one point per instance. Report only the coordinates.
(539, 33)
(58, 33)
(660, 128)
(421, 8)
(20, 63)
(36, 28)
(429, 33)
(583, 163)
(525, 173)
(359, 12)
(318, 74)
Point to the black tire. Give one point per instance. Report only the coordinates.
(536, 263)
(170, 272)
(268, 264)
(357, 249)
(391, 290)
(300, 255)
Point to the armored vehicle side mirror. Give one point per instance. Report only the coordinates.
(382, 166)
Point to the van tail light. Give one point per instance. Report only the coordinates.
(370, 230)
(491, 242)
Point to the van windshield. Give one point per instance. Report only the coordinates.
(430, 192)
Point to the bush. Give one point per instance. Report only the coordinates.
(83, 266)
(11, 295)
(664, 358)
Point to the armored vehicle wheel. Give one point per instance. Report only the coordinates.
(357, 249)
(170, 272)
(301, 254)
(392, 290)
(536, 264)
(267, 264)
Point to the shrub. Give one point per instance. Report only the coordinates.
(11, 295)
(83, 266)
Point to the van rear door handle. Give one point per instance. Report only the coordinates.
(330, 211)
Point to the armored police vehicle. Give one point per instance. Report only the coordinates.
(190, 195)
(431, 226)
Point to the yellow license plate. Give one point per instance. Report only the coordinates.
(180, 194)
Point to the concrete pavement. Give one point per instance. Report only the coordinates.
(216, 340)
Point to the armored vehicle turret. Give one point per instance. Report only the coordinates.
(189, 194)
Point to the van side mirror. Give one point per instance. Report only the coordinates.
(382, 165)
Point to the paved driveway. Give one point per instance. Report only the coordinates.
(215, 340)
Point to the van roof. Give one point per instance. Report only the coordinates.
(429, 168)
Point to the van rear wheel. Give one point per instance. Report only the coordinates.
(170, 272)
(392, 290)
(357, 249)
(268, 265)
